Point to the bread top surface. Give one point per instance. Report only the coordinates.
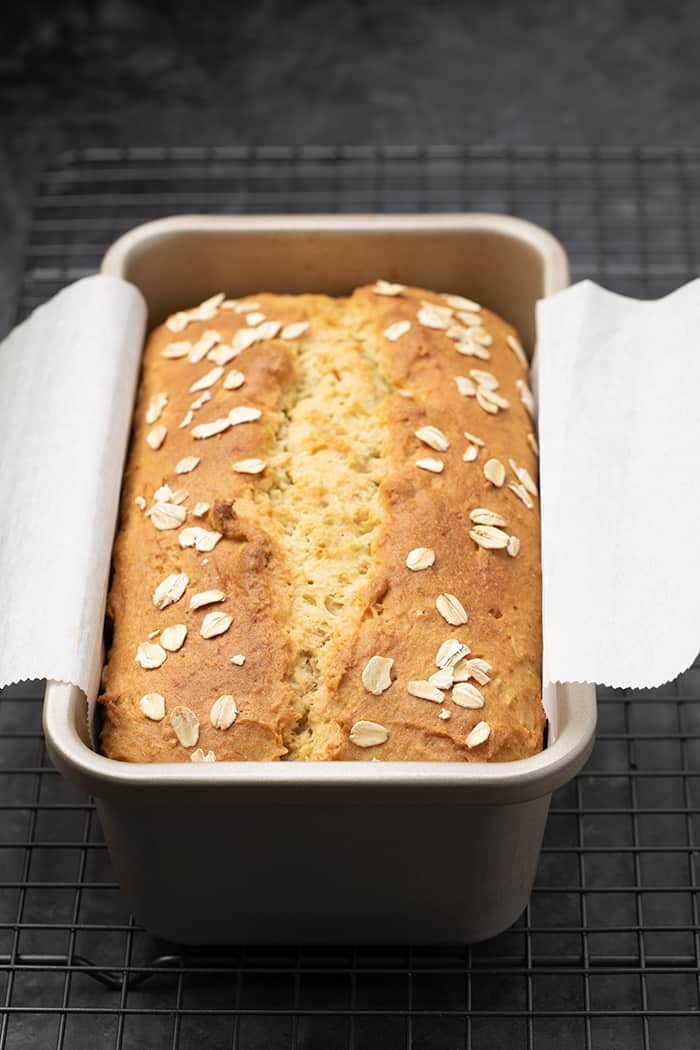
(309, 552)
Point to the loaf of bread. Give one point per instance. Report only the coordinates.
(329, 537)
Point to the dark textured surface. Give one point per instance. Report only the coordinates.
(607, 955)
(125, 72)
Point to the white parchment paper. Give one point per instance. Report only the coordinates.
(67, 381)
(618, 383)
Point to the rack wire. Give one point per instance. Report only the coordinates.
(607, 954)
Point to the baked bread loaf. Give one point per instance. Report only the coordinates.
(329, 536)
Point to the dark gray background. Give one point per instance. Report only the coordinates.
(120, 72)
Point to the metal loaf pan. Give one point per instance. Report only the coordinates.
(373, 852)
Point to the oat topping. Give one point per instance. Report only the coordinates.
(229, 304)
(451, 609)
(140, 502)
(238, 659)
(444, 714)
(166, 516)
(234, 380)
(201, 400)
(484, 402)
(201, 539)
(177, 322)
(153, 706)
(433, 438)
(470, 453)
(408, 394)
(244, 338)
(466, 695)
(486, 380)
(479, 670)
(186, 421)
(479, 735)
(490, 401)
(465, 386)
(197, 601)
(294, 330)
(420, 558)
(163, 494)
(207, 430)
(396, 330)
(200, 509)
(524, 477)
(156, 437)
(458, 302)
(475, 668)
(155, 406)
(150, 655)
(522, 494)
(513, 546)
(451, 652)
(201, 348)
(431, 316)
(215, 623)
(480, 336)
(267, 330)
(489, 537)
(368, 734)
(175, 350)
(198, 756)
(425, 691)
(186, 725)
(465, 345)
(473, 439)
(476, 350)
(469, 318)
(458, 333)
(207, 380)
(173, 638)
(442, 679)
(244, 308)
(435, 466)
(179, 496)
(223, 712)
(187, 464)
(254, 318)
(482, 516)
(222, 354)
(243, 414)
(207, 309)
(382, 287)
(495, 472)
(249, 466)
(517, 348)
(376, 677)
(526, 396)
(170, 590)
(532, 442)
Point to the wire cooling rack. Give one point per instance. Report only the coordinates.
(607, 955)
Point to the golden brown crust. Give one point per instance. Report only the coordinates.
(395, 615)
(241, 565)
(501, 594)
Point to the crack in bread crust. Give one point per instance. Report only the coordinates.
(323, 501)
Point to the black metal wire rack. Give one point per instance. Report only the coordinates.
(607, 954)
